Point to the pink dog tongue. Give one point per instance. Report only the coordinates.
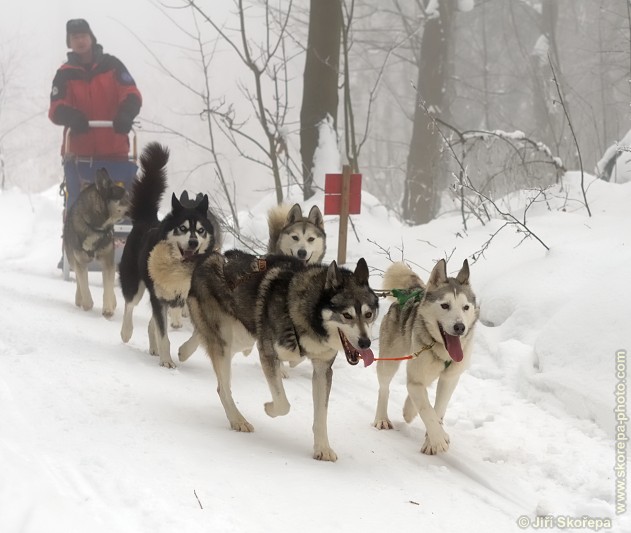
(367, 356)
(453, 347)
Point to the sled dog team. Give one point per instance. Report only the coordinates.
(286, 302)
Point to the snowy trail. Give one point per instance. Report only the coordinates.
(95, 436)
(92, 412)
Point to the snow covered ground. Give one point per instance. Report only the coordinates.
(96, 437)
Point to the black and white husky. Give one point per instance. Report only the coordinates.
(160, 255)
(434, 326)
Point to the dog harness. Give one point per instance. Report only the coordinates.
(403, 296)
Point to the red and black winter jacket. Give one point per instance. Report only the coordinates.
(103, 90)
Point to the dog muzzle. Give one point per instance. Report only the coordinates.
(353, 355)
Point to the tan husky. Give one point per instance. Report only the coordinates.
(435, 326)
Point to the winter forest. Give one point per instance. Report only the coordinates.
(490, 95)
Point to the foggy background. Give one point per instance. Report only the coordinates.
(497, 79)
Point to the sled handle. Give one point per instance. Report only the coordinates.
(101, 123)
(106, 124)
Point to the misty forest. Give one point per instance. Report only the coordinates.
(442, 105)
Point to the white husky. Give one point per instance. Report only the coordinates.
(434, 326)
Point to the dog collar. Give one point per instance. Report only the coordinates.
(446, 363)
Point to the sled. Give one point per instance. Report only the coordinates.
(80, 171)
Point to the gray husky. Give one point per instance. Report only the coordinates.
(291, 233)
(435, 326)
(89, 233)
(292, 310)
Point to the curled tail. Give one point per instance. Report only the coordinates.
(149, 187)
(402, 277)
(277, 218)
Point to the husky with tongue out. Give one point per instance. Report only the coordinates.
(434, 325)
(291, 310)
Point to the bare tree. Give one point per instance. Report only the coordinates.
(541, 76)
(320, 90)
(419, 200)
(266, 61)
(12, 117)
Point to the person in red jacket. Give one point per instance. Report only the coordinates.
(92, 85)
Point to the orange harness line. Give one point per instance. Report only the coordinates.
(411, 356)
(395, 358)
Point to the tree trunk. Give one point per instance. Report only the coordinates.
(420, 194)
(543, 92)
(320, 91)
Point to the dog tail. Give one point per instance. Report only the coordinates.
(149, 187)
(401, 276)
(276, 221)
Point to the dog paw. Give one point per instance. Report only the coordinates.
(167, 364)
(324, 454)
(284, 373)
(176, 325)
(87, 306)
(435, 446)
(275, 410)
(383, 423)
(126, 334)
(409, 410)
(184, 353)
(108, 313)
(243, 426)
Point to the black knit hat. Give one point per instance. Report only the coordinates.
(78, 26)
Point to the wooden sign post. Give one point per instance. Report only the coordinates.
(342, 196)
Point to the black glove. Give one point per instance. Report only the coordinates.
(122, 122)
(73, 118)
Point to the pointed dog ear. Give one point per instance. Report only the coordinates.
(295, 213)
(333, 277)
(102, 181)
(439, 274)
(175, 203)
(463, 275)
(361, 272)
(202, 206)
(315, 216)
(184, 197)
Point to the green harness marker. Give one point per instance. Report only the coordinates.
(405, 295)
